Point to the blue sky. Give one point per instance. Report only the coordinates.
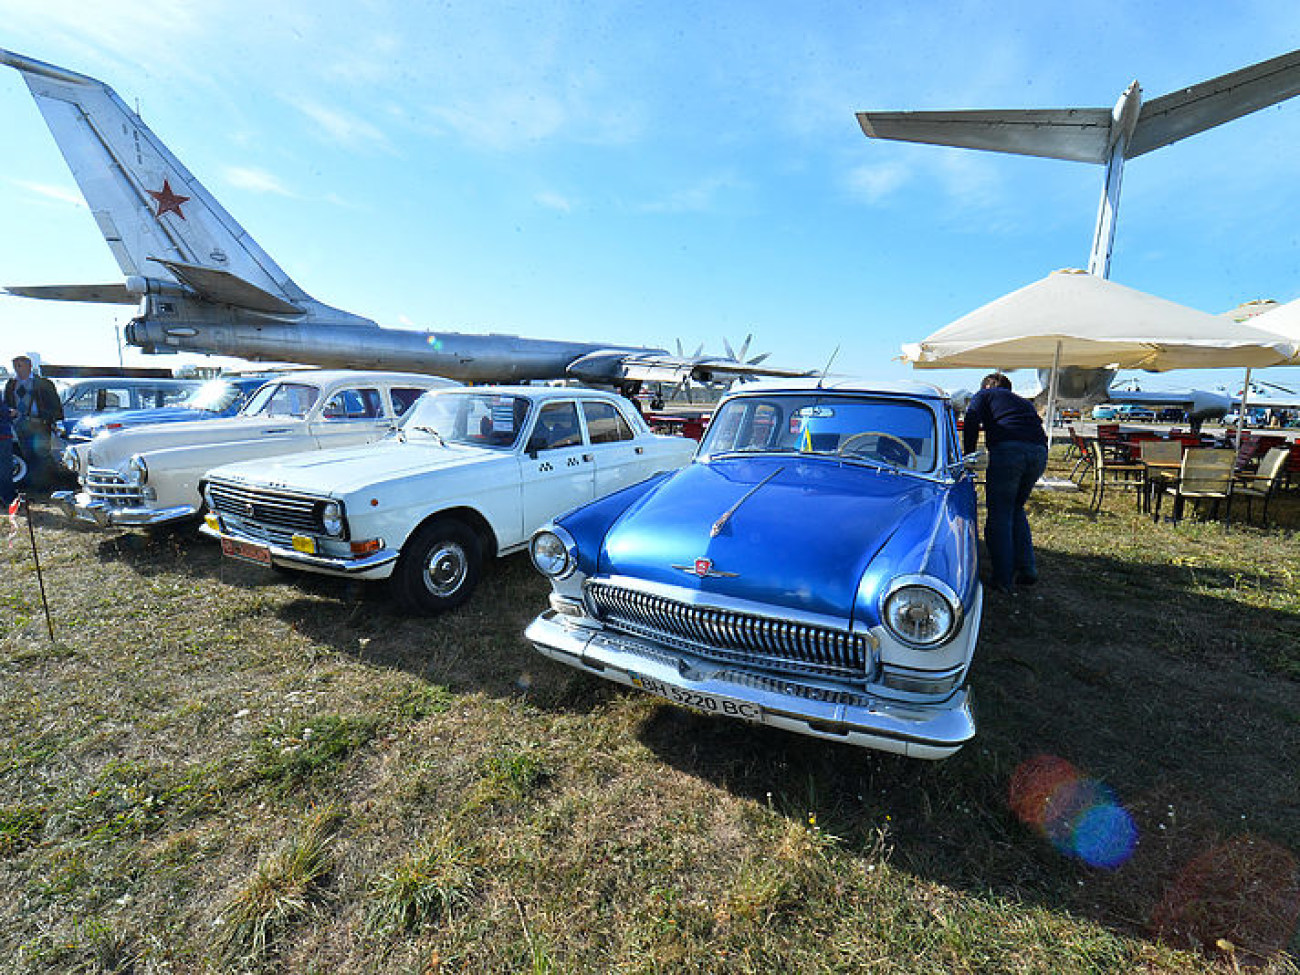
(648, 172)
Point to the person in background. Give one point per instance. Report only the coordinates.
(37, 407)
(1017, 449)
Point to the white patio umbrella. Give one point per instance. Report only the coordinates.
(1072, 318)
(1283, 320)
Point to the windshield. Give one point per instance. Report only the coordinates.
(215, 395)
(282, 399)
(894, 432)
(481, 419)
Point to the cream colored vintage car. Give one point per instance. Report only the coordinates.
(149, 476)
(470, 474)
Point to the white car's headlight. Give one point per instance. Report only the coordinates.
(331, 518)
(137, 471)
(921, 612)
(554, 552)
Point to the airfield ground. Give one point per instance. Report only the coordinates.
(217, 768)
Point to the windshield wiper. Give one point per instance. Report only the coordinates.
(433, 433)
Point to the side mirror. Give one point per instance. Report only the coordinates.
(976, 460)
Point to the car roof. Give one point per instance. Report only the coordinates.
(848, 384)
(547, 392)
(324, 377)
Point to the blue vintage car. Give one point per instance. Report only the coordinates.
(814, 569)
(215, 398)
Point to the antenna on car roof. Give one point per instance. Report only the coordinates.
(822, 378)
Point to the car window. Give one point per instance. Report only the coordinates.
(897, 432)
(282, 399)
(403, 397)
(354, 404)
(557, 426)
(605, 424)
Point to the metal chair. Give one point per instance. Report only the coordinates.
(1205, 475)
(1107, 470)
(1262, 484)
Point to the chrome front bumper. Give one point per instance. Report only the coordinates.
(376, 565)
(917, 731)
(82, 507)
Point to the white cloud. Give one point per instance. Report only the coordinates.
(699, 198)
(550, 200)
(257, 180)
(51, 192)
(875, 184)
(342, 127)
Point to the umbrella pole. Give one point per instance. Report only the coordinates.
(1241, 410)
(1051, 394)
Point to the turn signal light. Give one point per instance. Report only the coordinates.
(367, 546)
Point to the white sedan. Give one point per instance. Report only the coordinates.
(469, 474)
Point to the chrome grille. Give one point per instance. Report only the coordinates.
(268, 509)
(107, 485)
(729, 635)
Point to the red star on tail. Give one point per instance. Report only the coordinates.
(168, 202)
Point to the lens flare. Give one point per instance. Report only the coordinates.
(1080, 816)
(1243, 894)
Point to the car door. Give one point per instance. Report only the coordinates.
(350, 415)
(619, 458)
(558, 469)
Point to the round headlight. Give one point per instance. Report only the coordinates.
(331, 518)
(920, 615)
(553, 555)
(137, 471)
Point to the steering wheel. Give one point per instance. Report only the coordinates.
(912, 456)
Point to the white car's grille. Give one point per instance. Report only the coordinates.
(272, 511)
(725, 634)
(107, 485)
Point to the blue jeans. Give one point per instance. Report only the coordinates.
(6, 471)
(1014, 468)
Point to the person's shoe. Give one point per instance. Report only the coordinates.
(1026, 578)
(1003, 589)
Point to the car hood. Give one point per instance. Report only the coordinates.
(802, 535)
(343, 470)
(161, 414)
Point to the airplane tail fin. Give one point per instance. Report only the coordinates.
(166, 231)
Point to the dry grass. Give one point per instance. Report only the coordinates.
(164, 764)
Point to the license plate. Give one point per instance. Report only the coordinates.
(708, 703)
(247, 551)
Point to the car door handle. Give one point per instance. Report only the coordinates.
(587, 458)
(276, 430)
(640, 450)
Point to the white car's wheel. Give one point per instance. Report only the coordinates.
(20, 470)
(439, 567)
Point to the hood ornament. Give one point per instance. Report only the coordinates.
(721, 523)
(705, 570)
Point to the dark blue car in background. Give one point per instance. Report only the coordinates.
(223, 396)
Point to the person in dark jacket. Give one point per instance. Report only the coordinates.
(36, 403)
(1017, 450)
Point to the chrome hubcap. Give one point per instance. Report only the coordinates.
(446, 568)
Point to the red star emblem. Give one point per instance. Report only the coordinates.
(168, 202)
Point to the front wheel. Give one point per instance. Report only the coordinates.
(438, 568)
(20, 470)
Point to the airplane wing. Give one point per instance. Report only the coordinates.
(611, 365)
(108, 294)
(1202, 106)
(1077, 134)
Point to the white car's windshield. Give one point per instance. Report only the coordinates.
(895, 432)
(282, 399)
(481, 419)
